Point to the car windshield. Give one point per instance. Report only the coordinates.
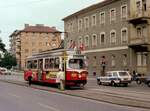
(123, 73)
(76, 63)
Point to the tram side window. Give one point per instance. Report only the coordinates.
(34, 64)
(57, 63)
(46, 63)
(29, 65)
(51, 63)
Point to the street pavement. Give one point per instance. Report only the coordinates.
(19, 98)
(133, 95)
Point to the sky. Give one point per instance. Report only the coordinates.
(15, 13)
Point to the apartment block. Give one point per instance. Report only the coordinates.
(114, 34)
(33, 39)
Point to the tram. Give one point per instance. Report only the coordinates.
(45, 67)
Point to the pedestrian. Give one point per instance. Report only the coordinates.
(61, 79)
(134, 74)
(29, 73)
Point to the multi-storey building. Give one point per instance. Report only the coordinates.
(33, 39)
(114, 33)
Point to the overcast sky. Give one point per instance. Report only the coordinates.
(15, 13)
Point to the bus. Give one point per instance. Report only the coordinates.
(45, 67)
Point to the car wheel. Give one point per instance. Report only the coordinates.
(148, 84)
(126, 84)
(81, 86)
(113, 83)
(99, 82)
(138, 81)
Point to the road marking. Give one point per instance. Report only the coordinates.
(48, 107)
(14, 95)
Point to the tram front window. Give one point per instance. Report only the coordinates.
(76, 64)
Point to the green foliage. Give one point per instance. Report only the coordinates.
(2, 46)
(8, 61)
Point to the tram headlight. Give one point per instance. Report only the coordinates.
(74, 74)
(83, 74)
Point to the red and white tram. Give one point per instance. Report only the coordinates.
(45, 67)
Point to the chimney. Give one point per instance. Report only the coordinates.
(53, 27)
(26, 25)
(41, 25)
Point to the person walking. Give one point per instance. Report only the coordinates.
(29, 73)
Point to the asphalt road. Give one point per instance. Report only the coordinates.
(20, 98)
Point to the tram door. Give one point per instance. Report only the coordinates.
(40, 69)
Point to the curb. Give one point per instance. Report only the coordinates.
(101, 98)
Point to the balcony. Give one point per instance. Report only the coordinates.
(139, 43)
(139, 17)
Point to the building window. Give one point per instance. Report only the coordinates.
(139, 32)
(124, 11)
(26, 50)
(71, 26)
(33, 50)
(79, 24)
(40, 50)
(47, 44)
(40, 43)
(94, 40)
(87, 41)
(80, 42)
(145, 31)
(112, 14)
(124, 59)
(102, 38)
(113, 37)
(102, 18)
(142, 59)
(46, 37)
(33, 43)
(94, 20)
(33, 37)
(139, 7)
(124, 35)
(113, 62)
(86, 22)
(94, 61)
(144, 5)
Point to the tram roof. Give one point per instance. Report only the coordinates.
(55, 52)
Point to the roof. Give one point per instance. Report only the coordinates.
(92, 7)
(36, 29)
(42, 29)
(14, 33)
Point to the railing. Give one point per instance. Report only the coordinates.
(139, 14)
(139, 40)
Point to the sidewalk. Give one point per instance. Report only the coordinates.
(98, 95)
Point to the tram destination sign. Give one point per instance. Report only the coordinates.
(78, 56)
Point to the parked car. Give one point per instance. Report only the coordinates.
(114, 78)
(4, 71)
(147, 80)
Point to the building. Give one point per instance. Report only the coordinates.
(114, 34)
(33, 39)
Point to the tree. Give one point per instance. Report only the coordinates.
(2, 46)
(8, 60)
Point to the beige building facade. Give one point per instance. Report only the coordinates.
(114, 34)
(33, 39)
